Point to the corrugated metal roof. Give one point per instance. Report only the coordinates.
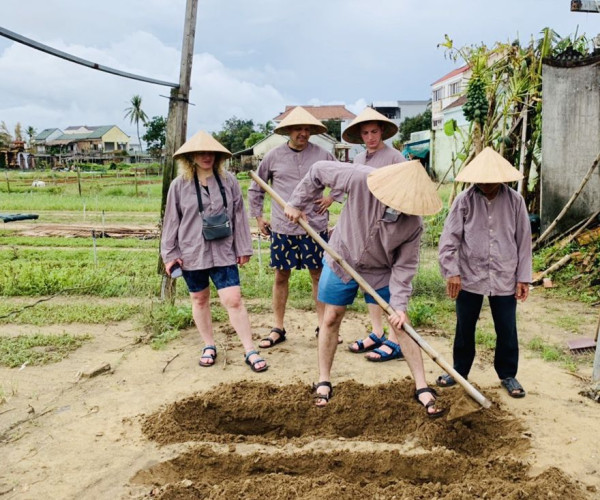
(44, 134)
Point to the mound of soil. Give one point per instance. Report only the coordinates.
(385, 447)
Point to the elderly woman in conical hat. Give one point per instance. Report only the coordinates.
(371, 128)
(291, 248)
(378, 233)
(205, 236)
(485, 250)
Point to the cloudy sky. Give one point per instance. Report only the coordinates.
(251, 57)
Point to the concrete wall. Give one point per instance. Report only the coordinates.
(570, 142)
(444, 147)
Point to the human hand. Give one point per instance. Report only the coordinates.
(453, 286)
(169, 265)
(323, 204)
(243, 259)
(263, 226)
(293, 214)
(522, 291)
(397, 319)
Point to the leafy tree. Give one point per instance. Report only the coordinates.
(5, 137)
(253, 138)
(334, 128)
(415, 124)
(266, 128)
(156, 135)
(234, 133)
(18, 132)
(136, 114)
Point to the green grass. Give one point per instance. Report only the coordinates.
(51, 314)
(485, 338)
(552, 353)
(38, 349)
(7, 238)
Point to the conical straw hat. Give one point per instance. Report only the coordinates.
(352, 132)
(489, 167)
(202, 142)
(299, 116)
(405, 187)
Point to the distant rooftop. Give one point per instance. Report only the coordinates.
(327, 112)
(455, 72)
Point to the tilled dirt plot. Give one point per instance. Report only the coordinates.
(251, 440)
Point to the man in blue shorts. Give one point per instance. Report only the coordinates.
(291, 248)
(378, 234)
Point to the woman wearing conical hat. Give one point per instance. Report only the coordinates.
(371, 128)
(201, 196)
(485, 250)
(291, 248)
(378, 233)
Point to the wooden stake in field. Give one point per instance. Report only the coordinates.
(471, 391)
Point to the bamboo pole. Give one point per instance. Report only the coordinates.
(584, 181)
(471, 391)
(578, 232)
(554, 267)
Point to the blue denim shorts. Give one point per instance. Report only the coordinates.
(332, 290)
(289, 251)
(222, 277)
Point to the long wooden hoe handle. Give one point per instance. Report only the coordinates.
(471, 391)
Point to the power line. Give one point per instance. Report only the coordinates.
(63, 55)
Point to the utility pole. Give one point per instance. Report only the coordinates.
(177, 125)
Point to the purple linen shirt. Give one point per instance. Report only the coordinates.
(487, 242)
(382, 252)
(182, 226)
(380, 158)
(284, 168)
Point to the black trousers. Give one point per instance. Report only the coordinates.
(504, 313)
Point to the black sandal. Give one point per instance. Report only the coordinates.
(323, 397)
(431, 403)
(210, 355)
(272, 342)
(511, 384)
(253, 364)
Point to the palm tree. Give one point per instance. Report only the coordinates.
(31, 133)
(136, 114)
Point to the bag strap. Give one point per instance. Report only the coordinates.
(199, 193)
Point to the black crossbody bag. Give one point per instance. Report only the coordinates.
(214, 227)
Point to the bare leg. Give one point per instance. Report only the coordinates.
(202, 318)
(231, 298)
(315, 274)
(330, 327)
(414, 358)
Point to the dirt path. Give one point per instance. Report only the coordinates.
(159, 425)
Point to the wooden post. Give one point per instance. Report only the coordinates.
(79, 180)
(522, 186)
(177, 125)
(7, 182)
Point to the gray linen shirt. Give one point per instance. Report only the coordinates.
(382, 252)
(284, 168)
(380, 158)
(487, 242)
(182, 226)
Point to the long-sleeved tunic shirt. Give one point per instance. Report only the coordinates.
(487, 242)
(284, 168)
(383, 252)
(182, 225)
(380, 158)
